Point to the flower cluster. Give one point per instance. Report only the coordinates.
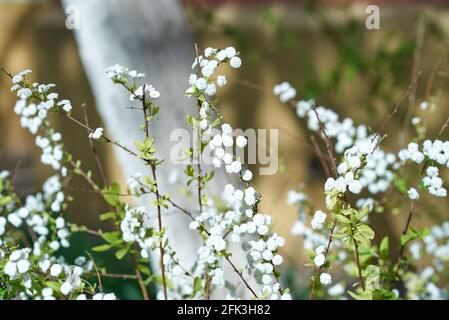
(431, 154)
(207, 64)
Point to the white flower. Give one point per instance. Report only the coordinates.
(413, 194)
(424, 105)
(241, 141)
(234, 167)
(66, 105)
(227, 140)
(226, 128)
(201, 84)
(24, 93)
(55, 270)
(97, 134)
(109, 296)
(23, 266)
(66, 288)
(355, 186)
(235, 62)
(277, 260)
(325, 279)
(247, 175)
(336, 290)
(329, 185)
(318, 219)
(319, 260)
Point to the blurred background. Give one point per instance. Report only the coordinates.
(322, 47)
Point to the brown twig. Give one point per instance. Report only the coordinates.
(158, 198)
(359, 268)
(92, 146)
(239, 273)
(328, 143)
(405, 230)
(139, 278)
(100, 285)
(380, 130)
(415, 70)
(446, 123)
(320, 155)
(431, 79)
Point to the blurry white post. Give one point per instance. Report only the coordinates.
(152, 37)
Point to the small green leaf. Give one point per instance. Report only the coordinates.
(111, 237)
(119, 254)
(107, 215)
(366, 231)
(197, 284)
(384, 249)
(111, 194)
(362, 213)
(342, 219)
(413, 234)
(5, 200)
(102, 248)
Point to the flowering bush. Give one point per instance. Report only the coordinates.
(347, 259)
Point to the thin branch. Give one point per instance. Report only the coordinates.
(359, 268)
(405, 230)
(100, 285)
(432, 76)
(139, 278)
(328, 143)
(415, 68)
(116, 276)
(318, 151)
(239, 273)
(92, 146)
(159, 215)
(380, 130)
(446, 123)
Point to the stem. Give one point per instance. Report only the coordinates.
(239, 273)
(404, 232)
(159, 220)
(357, 259)
(318, 270)
(159, 216)
(327, 141)
(139, 278)
(92, 146)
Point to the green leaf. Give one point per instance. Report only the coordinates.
(5, 200)
(144, 269)
(360, 238)
(342, 219)
(189, 171)
(197, 284)
(111, 194)
(102, 248)
(366, 231)
(362, 213)
(413, 234)
(366, 295)
(107, 215)
(372, 277)
(119, 254)
(341, 233)
(384, 249)
(401, 185)
(111, 237)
